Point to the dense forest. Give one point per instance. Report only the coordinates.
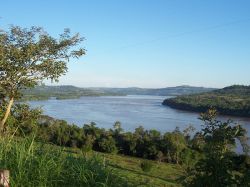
(232, 100)
(72, 92)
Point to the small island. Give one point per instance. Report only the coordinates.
(233, 100)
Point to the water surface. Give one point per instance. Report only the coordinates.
(131, 111)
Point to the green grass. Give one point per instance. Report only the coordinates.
(161, 174)
(36, 164)
(32, 164)
(129, 168)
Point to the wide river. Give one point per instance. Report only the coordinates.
(132, 111)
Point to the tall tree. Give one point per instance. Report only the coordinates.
(28, 56)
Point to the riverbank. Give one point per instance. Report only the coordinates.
(233, 101)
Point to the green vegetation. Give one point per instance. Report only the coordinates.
(146, 166)
(39, 165)
(193, 155)
(233, 100)
(129, 168)
(219, 166)
(28, 56)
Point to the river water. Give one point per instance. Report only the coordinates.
(132, 111)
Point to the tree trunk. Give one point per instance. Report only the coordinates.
(7, 112)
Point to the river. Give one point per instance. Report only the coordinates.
(132, 111)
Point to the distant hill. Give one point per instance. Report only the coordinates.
(168, 91)
(232, 100)
(60, 92)
(70, 92)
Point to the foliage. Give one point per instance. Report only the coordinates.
(217, 167)
(174, 144)
(28, 56)
(106, 144)
(24, 119)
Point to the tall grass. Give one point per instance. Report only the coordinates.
(39, 165)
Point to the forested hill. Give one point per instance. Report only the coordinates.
(68, 92)
(232, 100)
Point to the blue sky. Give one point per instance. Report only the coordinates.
(147, 43)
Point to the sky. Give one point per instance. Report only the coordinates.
(146, 43)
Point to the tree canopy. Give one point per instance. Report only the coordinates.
(28, 56)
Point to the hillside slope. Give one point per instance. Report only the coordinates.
(232, 100)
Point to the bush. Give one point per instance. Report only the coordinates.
(146, 166)
(107, 145)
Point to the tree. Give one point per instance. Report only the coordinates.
(28, 56)
(198, 142)
(127, 144)
(160, 156)
(106, 144)
(173, 144)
